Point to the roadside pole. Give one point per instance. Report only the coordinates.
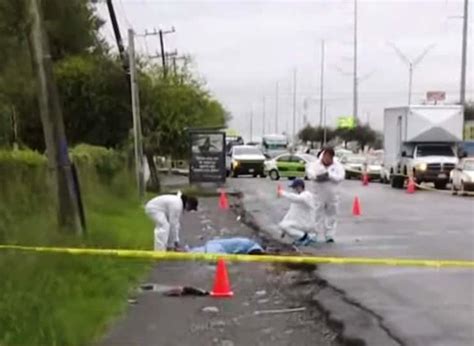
(53, 124)
(137, 130)
(462, 97)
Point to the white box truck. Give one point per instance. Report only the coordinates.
(420, 141)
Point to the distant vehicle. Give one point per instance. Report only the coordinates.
(232, 137)
(245, 159)
(288, 165)
(420, 141)
(274, 145)
(353, 165)
(462, 177)
(254, 144)
(374, 168)
(466, 149)
(342, 152)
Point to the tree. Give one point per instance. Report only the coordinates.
(96, 101)
(469, 111)
(72, 28)
(362, 134)
(169, 107)
(316, 134)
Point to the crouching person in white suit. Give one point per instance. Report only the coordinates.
(298, 222)
(165, 211)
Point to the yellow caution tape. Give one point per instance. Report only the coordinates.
(187, 256)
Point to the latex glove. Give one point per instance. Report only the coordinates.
(322, 177)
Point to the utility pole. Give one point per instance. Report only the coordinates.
(118, 36)
(355, 91)
(251, 125)
(411, 64)
(294, 104)
(53, 124)
(276, 108)
(263, 116)
(137, 130)
(325, 127)
(462, 96)
(321, 86)
(161, 33)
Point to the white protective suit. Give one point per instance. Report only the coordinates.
(165, 211)
(300, 217)
(326, 195)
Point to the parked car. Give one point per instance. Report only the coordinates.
(462, 176)
(340, 153)
(356, 164)
(353, 165)
(245, 159)
(288, 165)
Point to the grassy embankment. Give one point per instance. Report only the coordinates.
(63, 299)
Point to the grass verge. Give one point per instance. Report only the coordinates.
(55, 299)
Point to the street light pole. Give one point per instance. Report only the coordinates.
(251, 126)
(294, 103)
(321, 85)
(276, 108)
(410, 82)
(355, 91)
(462, 96)
(411, 64)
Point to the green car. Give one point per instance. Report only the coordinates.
(288, 165)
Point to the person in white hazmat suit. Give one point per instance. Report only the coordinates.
(327, 172)
(298, 222)
(165, 211)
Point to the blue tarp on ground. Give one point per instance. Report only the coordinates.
(228, 246)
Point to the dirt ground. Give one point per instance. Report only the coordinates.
(252, 317)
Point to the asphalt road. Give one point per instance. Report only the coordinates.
(417, 306)
(154, 319)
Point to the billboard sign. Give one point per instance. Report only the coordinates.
(207, 162)
(435, 96)
(347, 122)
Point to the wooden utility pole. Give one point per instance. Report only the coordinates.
(137, 128)
(53, 124)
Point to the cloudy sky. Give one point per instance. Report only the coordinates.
(242, 49)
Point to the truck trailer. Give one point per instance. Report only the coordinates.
(420, 142)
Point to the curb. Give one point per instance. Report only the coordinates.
(354, 324)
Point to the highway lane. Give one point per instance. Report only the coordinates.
(421, 306)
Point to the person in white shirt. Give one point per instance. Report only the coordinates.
(327, 172)
(165, 211)
(298, 222)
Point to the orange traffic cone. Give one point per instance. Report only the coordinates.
(411, 187)
(221, 287)
(356, 209)
(223, 201)
(279, 190)
(365, 179)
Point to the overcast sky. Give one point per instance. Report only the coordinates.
(242, 49)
